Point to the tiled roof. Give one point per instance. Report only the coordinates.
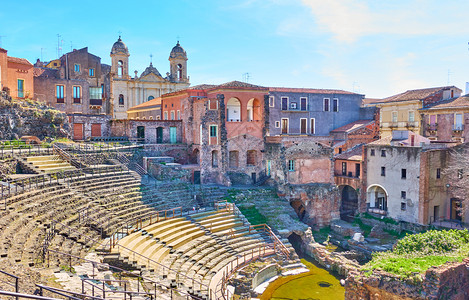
(353, 126)
(367, 101)
(386, 141)
(311, 91)
(3, 50)
(202, 87)
(19, 60)
(238, 84)
(45, 72)
(354, 153)
(152, 103)
(414, 94)
(460, 102)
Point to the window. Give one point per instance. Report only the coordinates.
(432, 119)
(251, 157)
(313, 127)
(172, 115)
(59, 93)
(383, 153)
(233, 159)
(411, 116)
(326, 104)
(120, 68)
(213, 104)
(394, 116)
(271, 101)
(179, 115)
(150, 98)
(372, 152)
(291, 165)
(383, 171)
(285, 126)
(438, 173)
(213, 130)
(403, 173)
(284, 103)
(335, 104)
(340, 150)
(303, 126)
(344, 168)
(303, 101)
(77, 68)
(458, 122)
(121, 100)
(403, 195)
(277, 124)
(76, 94)
(102, 91)
(165, 115)
(403, 206)
(179, 72)
(91, 72)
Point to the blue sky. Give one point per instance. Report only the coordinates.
(378, 48)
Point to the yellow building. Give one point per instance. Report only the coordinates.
(401, 111)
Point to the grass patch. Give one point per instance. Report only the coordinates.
(253, 215)
(322, 234)
(385, 219)
(415, 253)
(365, 228)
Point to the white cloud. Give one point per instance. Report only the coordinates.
(348, 20)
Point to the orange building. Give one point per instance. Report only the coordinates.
(16, 76)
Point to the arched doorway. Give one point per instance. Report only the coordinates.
(349, 203)
(233, 110)
(299, 208)
(377, 199)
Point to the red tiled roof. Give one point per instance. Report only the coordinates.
(147, 104)
(386, 141)
(312, 91)
(238, 84)
(414, 94)
(45, 72)
(351, 154)
(460, 102)
(353, 126)
(3, 50)
(19, 60)
(202, 87)
(366, 101)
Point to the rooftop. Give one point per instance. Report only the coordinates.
(354, 153)
(353, 126)
(459, 102)
(310, 91)
(411, 95)
(152, 103)
(18, 60)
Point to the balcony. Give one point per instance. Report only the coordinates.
(458, 128)
(412, 124)
(96, 102)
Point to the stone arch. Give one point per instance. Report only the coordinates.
(299, 208)
(195, 157)
(348, 203)
(254, 110)
(214, 158)
(233, 110)
(377, 198)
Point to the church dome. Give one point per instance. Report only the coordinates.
(119, 47)
(177, 51)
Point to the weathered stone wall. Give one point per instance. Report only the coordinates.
(19, 118)
(179, 152)
(450, 281)
(88, 120)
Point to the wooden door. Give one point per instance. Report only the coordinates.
(78, 131)
(96, 130)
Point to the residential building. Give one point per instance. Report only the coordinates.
(16, 76)
(3, 69)
(405, 178)
(401, 111)
(128, 92)
(355, 133)
(447, 120)
(150, 110)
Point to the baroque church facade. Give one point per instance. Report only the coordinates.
(127, 92)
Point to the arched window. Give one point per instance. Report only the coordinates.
(251, 157)
(254, 110)
(233, 110)
(120, 68)
(150, 98)
(121, 99)
(179, 71)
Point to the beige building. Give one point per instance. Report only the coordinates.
(401, 111)
(128, 92)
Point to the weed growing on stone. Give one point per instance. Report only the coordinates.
(415, 253)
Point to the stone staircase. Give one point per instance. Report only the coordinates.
(44, 164)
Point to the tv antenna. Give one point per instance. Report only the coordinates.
(59, 45)
(246, 77)
(449, 76)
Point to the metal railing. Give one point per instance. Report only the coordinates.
(15, 285)
(279, 246)
(122, 272)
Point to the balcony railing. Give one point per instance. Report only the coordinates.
(458, 127)
(96, 102)
(432, 127)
